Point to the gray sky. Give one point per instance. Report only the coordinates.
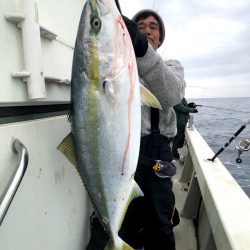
(210, 38)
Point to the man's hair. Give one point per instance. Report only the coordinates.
(143, 14)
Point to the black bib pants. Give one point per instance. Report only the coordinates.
(159, 200)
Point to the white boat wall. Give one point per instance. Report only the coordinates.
(50, 209)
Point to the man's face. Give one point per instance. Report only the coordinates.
(151, 29)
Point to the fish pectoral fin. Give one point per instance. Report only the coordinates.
(109, 91)
(149, 99)
(67, 148)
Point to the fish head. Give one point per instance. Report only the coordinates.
(104, 43)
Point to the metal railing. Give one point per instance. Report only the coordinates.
(222, 215)
(16, 178)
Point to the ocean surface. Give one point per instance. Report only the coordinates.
(217, 121)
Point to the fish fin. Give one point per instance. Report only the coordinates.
(67, 148)
(110, 246)
(135, 192)
(109, 91)
(127, 247)
(148, 99)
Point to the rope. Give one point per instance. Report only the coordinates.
(154, 4)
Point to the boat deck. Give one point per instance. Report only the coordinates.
(185, 232)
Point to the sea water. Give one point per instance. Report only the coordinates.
(217, 121)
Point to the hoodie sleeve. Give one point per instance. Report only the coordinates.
(164, 79)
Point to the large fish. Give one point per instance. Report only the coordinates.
(106, 112)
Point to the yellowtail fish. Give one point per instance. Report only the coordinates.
(106, 113)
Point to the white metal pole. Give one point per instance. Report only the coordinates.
(33, 50)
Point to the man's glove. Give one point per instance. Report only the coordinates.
(192, 105)
(164, 169)
(139, 40)
(195, 111)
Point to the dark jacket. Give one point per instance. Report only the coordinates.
(182, 111)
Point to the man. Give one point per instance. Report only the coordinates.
(165, 79)
(182, 111)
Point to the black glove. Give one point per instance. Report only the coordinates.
(195, 111)
(192, 105)
(139, 40)
(164, 169)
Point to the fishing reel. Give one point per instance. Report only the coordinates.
(244, 145)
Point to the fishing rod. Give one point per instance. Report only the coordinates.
(118, 6)
(241, 147)
(154, 4)
(206, 106)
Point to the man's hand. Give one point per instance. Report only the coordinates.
(139, 40)
(192, 105)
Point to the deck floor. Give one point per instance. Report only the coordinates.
(184, 233)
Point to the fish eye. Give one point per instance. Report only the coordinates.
(95, 23)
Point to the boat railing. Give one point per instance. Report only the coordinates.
(16, 178)
(218, 206)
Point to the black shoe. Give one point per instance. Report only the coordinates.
(176, 218)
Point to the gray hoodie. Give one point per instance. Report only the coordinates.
(165, 79)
